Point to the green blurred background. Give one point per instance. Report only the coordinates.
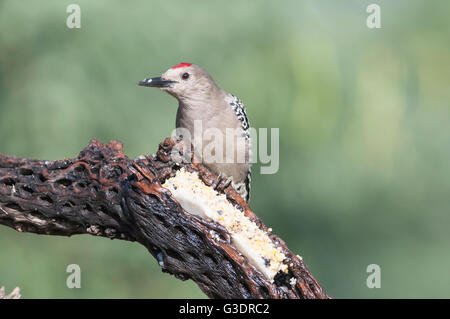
(364, 118)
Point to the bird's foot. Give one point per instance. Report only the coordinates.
(221, 182)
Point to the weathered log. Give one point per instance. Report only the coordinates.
(104, 193)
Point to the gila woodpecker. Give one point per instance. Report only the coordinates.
(208, 114)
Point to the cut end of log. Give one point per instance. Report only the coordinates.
(255, 244)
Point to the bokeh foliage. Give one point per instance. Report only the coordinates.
(364, 118)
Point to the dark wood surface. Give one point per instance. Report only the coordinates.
(104, 193)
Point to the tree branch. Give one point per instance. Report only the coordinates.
(104, 193)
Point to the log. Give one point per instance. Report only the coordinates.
(104, 193)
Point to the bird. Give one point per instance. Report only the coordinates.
(205, 112)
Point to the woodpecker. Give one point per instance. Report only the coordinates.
(202, 103)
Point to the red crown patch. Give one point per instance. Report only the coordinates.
(181, 65)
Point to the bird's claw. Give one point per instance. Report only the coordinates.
(221, 182)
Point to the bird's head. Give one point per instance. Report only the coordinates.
(185, 81)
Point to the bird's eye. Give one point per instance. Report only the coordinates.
(185, 76)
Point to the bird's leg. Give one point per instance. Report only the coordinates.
(221, 182)
(217, 181)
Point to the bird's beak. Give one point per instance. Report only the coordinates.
(157, 82)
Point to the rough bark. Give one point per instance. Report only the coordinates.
(104, 193)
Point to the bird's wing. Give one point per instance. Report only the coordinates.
(239, 109)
